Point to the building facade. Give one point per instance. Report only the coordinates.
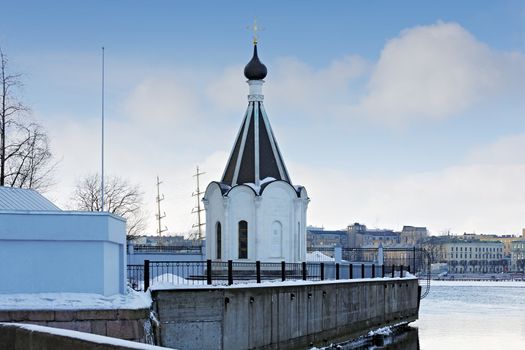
(359, 235)
(505, 239)
(321, 238)
(518, 255)
(474, 256)
(412, 235)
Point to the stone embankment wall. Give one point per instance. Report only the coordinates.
(123, 324)
(281, 317)
(30, 337)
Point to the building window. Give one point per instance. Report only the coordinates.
(243, 240)
(218, 237)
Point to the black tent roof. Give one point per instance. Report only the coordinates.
(255, 155)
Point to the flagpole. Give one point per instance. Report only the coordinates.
(102, 171)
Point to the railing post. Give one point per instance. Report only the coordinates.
(322, 271)
(304, 270)
(337, 271)
(338, 254)
(283, 271)
(362, 270)
(383, 270)
(401, 271)
(408, 268)
(351, 272)
(258, 270)
(230, 272)
(373, 270)
(146, 275)
(380, 255)
(208, 271)
(393, 270)
(414, 260)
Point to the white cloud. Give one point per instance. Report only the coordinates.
(293, 86)
(317, 92)
(426, 72)
(137, 152)
(165, 98)
(228, 91)
(484, 194)
(506, 150)
(437, 71)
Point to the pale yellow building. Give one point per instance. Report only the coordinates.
(505, 239)
(468, 256)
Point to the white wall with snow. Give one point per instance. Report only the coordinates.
(61, 251)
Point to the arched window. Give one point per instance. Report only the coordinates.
(243, 240)
(218, 237)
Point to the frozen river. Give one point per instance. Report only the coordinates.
(466, 315)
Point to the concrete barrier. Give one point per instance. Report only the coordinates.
(15, 336)
(281, 317)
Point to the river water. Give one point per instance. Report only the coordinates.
(465, 315)
(473, 315)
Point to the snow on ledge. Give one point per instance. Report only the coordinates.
(98, 339)
(74, 301)
(274, 283)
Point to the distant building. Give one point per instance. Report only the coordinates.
(473, 256)
(175, 240)
(412, 235)
(319, 237)
(505, 239)
(517, 260)
(359, 235)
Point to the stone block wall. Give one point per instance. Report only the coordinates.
(128, 324)
(15, 336)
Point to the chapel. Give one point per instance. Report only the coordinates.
(255, 212)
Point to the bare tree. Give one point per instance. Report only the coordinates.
(120, 198)
(25, 155)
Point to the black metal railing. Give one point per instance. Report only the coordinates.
(139, 248)
(415, 260)
(193, 273)
(136, 276)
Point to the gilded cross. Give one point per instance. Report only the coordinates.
(256, 29)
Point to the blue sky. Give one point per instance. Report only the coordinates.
(390, 113)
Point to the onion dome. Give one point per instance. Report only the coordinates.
(255, 69)
(255, 157)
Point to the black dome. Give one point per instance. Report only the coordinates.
(255, 70)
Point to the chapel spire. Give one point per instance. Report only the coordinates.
(255, 157)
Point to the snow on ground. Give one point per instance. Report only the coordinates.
(478, 283)
(318, 256)
(74, 301)
(168, 280)
(98, 339)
